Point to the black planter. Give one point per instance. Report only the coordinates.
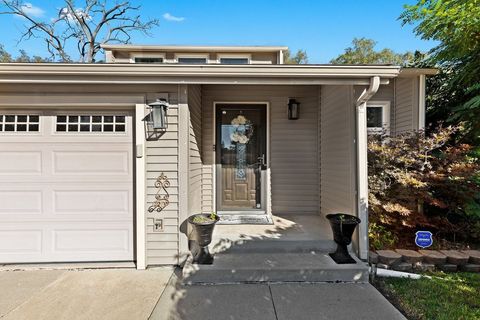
(343, 226)
(202, 235)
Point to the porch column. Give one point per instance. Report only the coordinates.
(183, 166)
(362, 179)
(362, 165)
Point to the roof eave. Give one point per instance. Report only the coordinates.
(132, 73)
(194, 48)
(408, 72)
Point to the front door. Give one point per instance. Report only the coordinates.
(241, 157)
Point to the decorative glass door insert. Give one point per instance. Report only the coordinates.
(241, 157)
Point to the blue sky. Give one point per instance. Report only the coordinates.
(323, 28)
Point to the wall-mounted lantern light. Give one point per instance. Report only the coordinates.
(158, 116)
(293, 109)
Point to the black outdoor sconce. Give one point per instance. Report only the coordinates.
(293, 109)
(157, 118)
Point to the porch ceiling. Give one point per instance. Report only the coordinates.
(194, 74)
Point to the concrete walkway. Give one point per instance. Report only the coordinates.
(273, 301)
(81, 294)
(158, 295)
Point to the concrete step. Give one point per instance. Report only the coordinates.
(236, 267)
(273, 246)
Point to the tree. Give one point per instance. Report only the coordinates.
(89, 26)
(300, 57)
(413, 168)
(363, 51)
(6, 57)
(455, 25)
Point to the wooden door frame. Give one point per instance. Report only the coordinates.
(268, 195)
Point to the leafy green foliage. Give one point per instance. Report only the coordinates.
(363, 51)
(443, 297)
(23, 57)
(419, 181)
(380, 237)
(455, 92)
(205, 218)
(300, 57)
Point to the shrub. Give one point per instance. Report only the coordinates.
(423, 181)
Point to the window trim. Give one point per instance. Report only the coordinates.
(20, 113)
(67, 113)
(146, 55)
(234, 56)
(385, 105)
(205, 56)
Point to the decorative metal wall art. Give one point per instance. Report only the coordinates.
(162, 196)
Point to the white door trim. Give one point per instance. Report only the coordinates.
(140, 186)
(214, 173)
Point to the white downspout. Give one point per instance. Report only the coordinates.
(421, 102)
(362, 165)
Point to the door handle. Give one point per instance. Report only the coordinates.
(261, 160)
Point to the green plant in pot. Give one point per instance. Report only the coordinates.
(202, 230)
(342, 226)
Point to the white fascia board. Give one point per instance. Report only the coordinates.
(193, 48)
(188, 74)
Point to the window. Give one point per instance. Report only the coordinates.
(148, 60)
(192, 60)
(19, 123)
(90, 123)
(233, 58)
(378, 117)
(234, 61)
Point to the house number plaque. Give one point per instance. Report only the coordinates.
(161, 197)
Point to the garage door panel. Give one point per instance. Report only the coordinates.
(20, 162)
(18, 241)
(20, 202)
(98, 201)
(88, 240)
(83, 162)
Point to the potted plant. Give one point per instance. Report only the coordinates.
(202, 225)
(342, 226)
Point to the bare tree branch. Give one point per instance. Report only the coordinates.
(88, 26)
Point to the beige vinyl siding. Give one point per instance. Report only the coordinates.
(195, 147)
(337, 118)
(255, 57)
(402, 93)
(162, 156)
(294, 144)
(406, 109)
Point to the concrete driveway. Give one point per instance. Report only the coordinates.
(157, 294)
(81, 294)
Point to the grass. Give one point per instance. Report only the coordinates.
(445, 296)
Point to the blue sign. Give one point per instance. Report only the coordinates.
(423, 239)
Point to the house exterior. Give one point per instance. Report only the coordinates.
(85, 176)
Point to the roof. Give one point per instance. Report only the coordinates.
(408, 72)
(131, 73)
(131, 47)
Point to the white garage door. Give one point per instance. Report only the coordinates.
(66, 186)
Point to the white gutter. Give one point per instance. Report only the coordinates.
(362, 165)
(367, 94)
(398, 274)
(189, 74)
(421, 102)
